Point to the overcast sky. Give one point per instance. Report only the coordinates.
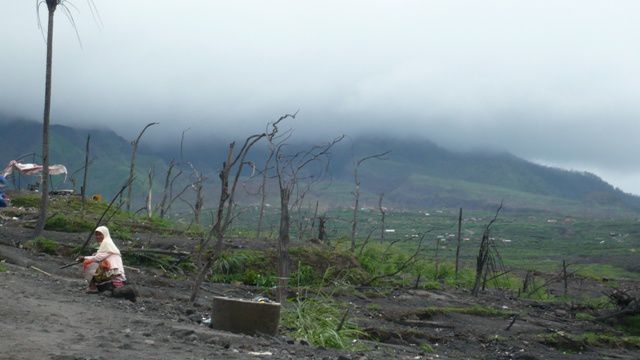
(551, 81)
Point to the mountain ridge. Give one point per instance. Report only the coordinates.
(417, 172)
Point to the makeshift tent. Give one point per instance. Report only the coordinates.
(33, 169)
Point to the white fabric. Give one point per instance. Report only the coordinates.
(33, 169)
(109, 251)
(107, 245)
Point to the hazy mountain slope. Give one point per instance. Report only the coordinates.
(110, 155)
(417, 173)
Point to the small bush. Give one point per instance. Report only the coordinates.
(44, 245)
(3, 267)
(427, 348)
(62, 223)
(316, 320)
(27, 201)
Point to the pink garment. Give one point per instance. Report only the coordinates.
(109, 251)
(115, 262)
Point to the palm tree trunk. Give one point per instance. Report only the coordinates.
(44, 201)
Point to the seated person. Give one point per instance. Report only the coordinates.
(104, 269)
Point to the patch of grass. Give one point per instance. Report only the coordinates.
(476, 310)
(584, 316)
(568, 342)
(605, 271)
(42, 244)
(317, 320)
(26, 200)
(427, 348)
(630, 325)
(374, 307)
(68, 224)
(3, 267)
(249, 267)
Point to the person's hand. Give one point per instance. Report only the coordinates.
(80, 259)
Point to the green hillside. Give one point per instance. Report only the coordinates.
(417, 173)
(110, 156)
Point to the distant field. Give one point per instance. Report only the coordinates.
(597, 247)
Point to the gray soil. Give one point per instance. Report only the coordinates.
(49, 316)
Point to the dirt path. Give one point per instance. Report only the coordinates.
(43, 317)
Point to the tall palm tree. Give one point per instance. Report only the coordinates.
(44, 202)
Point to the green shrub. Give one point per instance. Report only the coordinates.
(62, 223)
(3, 267)
(427, 348)
(316, 320)
(630, 325)
(44, 245)
(27, 200)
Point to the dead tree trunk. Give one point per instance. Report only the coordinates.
(322, 231)
(289, 170)
(132, 167)
(83, 189)
(224, 214)
(356, 194)
(382, 217)
(283, 243)
(459, 242)
(167, 189)
(565, 277)
(486, 256)
(263, 193)
(149, 194)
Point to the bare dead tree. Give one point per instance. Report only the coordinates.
(149, 193)
(273, 132)
(166, 192)
(366, 240)
(234, 163)
(356, 193)
(196, 185)
(322, 229)
(132, 167)
(315, 216)
(301, 221)
(289, 170)
(83, 188)
(459, 242)
(487, 255)
(382, 217)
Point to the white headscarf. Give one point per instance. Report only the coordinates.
(107, 244)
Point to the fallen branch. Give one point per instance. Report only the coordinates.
(39, 270)
(124, 187)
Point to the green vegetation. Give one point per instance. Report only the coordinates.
(476, 310)
(322, 322)
(630, 325)
(3, 267)
(27, 200)
(427, 348)
(573, 343)
(61, 222)
(44, 245)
